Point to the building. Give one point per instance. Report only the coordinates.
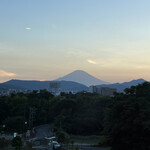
(93, 89)
(55, 88)
(104, 91)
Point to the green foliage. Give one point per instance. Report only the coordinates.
(92, 139)
(28, 145)
(17, 142)
(14, 123)
(77, 148)
(108, 148)
(81, 113)
(127, 120)
(103, 141)
(124, 119)
(3, 143)
(62, 137)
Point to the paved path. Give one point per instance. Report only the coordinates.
(43, 131)
(39, 147)
(92, 148)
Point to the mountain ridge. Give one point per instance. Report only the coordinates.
(65, 85)
(82, 77)
(121, 86)
(38, 85)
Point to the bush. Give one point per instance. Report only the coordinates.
(29, 144)
(17, 142)
(104, 141)
(3, 143)
(62, 137)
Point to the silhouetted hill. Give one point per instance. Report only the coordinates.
(4, 86)
(65, 85)
(29, 84)
(121, 86)
(82, 77)
(37, 85)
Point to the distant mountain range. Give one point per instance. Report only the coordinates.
(121, 86)
(37, 85)
(82, 77)
(76, 81)
(5, 86)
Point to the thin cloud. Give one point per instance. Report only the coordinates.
(92, 61)
(28, 28)
(6, 74)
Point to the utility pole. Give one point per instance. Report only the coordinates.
(31, 116)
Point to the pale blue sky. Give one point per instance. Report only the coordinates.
(46, 39)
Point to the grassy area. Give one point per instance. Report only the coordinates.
(108, 148)
(92, 140)
(69, 147)
(13, 148)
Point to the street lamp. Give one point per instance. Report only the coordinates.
(4, 128)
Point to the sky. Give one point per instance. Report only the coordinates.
(47, 39)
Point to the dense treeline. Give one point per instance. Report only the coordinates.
(124, 119)
(15, 109)
(127, 119)
(82, 113)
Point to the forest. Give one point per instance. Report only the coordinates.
(123, 119)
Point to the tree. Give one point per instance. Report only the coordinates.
(62, 137)
(14, 124)
(127, 121)
(17, 142)
(3, 143)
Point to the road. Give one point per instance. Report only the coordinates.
(39, 148)
(92, 148)
(43, 131)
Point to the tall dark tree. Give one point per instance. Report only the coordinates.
(128, 119)
(17, 143)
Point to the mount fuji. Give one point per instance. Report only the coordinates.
(82, 77)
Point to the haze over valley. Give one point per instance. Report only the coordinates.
(76, 81)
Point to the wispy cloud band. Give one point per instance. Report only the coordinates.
(6, 74)
(92, 62)
(28, 28)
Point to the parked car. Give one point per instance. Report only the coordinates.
(56, 145)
